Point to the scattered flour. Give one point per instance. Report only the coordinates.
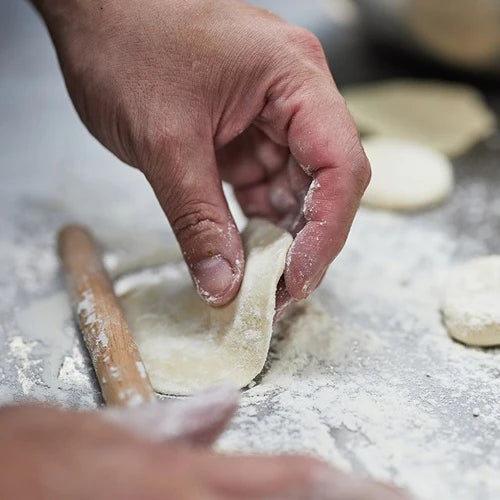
(141, 369)
(376, 386)
(28, 367)
(47, 356)
(364, 376)
(73, 370)
(86, 310)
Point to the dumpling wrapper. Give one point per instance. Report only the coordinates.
(187, 345)
(449, 117)
(406, 175)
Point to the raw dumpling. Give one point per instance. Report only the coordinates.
(471, 302)
(406, 175)
(187, 345)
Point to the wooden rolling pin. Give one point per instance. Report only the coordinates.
(115, 356)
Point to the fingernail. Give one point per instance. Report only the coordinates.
(213, 278)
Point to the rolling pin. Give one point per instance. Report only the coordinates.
(115, 356)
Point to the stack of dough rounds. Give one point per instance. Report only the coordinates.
(444, 116)
(187, 345)
(406, 175)
(471, 303)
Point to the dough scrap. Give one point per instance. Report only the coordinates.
(187, 345)
(448, 117)
(471, 302)
(406, 175)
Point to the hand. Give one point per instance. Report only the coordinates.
(50, 454)
(195, 92)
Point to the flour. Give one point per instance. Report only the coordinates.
(86, 307)
(141, 369)
(47, 356)
(347, 387)
(364, 375)
(73, 370)
(28, 367)
(86, 310)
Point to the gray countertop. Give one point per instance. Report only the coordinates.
(364, 376)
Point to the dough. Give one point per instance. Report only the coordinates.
(448, 117)
(406, 175)
(461, 32)
(187, 345)
(471, 303)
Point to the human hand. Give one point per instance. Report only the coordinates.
(51, 454)
(195, 92)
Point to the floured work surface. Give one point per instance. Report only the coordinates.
(365, 376)
(187, 345)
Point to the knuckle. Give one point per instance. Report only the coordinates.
(359, 163)
(306, 40)
(195, 218)
(160, 147)
(363, 170)
(361, 167)
(299, 57)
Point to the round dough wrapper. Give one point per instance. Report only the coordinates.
(187, 345)
(471, 301)
(462, 32)
(406, 175)
(444, 116)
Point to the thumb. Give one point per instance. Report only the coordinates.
(187, 184)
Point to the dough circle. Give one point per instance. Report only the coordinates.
(462, 32)
(448, 117)
(406, 175)
(471, 301)
(187, 345)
